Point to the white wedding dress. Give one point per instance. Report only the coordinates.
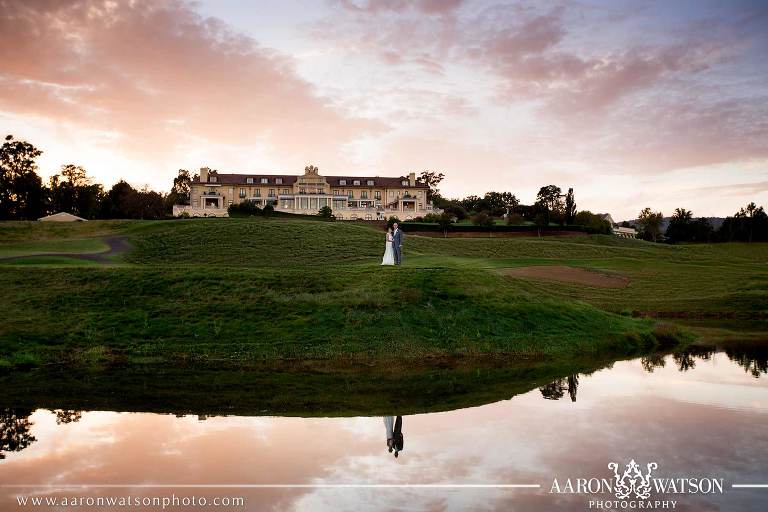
(389, 252)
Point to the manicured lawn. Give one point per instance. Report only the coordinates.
(240, 291)
(32, 247)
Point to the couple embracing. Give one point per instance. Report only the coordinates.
(394, 246)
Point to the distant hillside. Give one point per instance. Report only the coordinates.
(715, 222)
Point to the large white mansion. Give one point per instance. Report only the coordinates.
(350, 197)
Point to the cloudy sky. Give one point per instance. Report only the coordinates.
(633, 104)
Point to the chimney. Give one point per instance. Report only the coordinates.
(412, 179)
(203, 174)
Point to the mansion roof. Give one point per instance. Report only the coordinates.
(333, 181)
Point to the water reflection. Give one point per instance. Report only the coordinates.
(648, 410)
(15, 430)
(394, 429)
(556, 390)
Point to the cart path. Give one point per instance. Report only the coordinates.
(118, 244)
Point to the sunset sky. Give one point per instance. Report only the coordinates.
(634, 104)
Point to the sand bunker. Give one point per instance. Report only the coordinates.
(568, 275)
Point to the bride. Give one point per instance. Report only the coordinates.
(389, 253)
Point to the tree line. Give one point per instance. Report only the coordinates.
(24, 195)
(552, 206)
(748, 224)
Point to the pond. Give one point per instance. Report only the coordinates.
(682, 429)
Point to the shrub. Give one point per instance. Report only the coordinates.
(244, 209)
(482, 219)
(393, 220)
(326, 213)
(515, 219)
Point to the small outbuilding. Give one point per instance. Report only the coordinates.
(62, 217)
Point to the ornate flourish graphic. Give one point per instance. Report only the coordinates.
(632, 481)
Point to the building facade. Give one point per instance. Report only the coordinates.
(350, 197)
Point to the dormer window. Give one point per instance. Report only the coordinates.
(249, 180)
(213, 179)
(342, 182)
(264, 180)
(404, 183)
(356, 182)
(369, 183)
(279, 181)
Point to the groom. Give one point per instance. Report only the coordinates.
(397, 243)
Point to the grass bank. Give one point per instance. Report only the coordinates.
(217, 292)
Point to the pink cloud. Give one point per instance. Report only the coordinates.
(424, 6)
(155, 73)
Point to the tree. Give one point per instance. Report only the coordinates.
(445, 220)
(750, 212)
(594, 223)
(393, 220)
(15, 430)
(683, 228)
(570, 207)
(432, 180)
(651, 222)
(182, 185)
(549, 201)
(22, 194)
(499, 203)
(326, 212)
(75, 193)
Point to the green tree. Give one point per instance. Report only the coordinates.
(75, 193)
(549, 201)
(445, 220)
(393, 220)
(749, 213)
(595, 223)
(651, 222)
(326, 212)
(22, 195)
(432, 180)
(182, 186)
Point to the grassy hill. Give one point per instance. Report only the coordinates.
(224, 291)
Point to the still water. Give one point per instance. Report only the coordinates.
(700, 417)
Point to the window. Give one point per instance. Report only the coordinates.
(342, 182)
(404, 183)
(369, 183)
(271, 192)
(258, 192)
(356, 182)
(286, 191)
(213, 179)
(391, 193)
(368, 216)
(279, 181)
(350, 194)
(249, 180)
(264, 180)
(242, 192)
(363, 195)
(335, 192)
(377, 195)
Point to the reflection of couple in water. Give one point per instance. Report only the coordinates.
(394, 433)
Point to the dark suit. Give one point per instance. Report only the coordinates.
(397, 245)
